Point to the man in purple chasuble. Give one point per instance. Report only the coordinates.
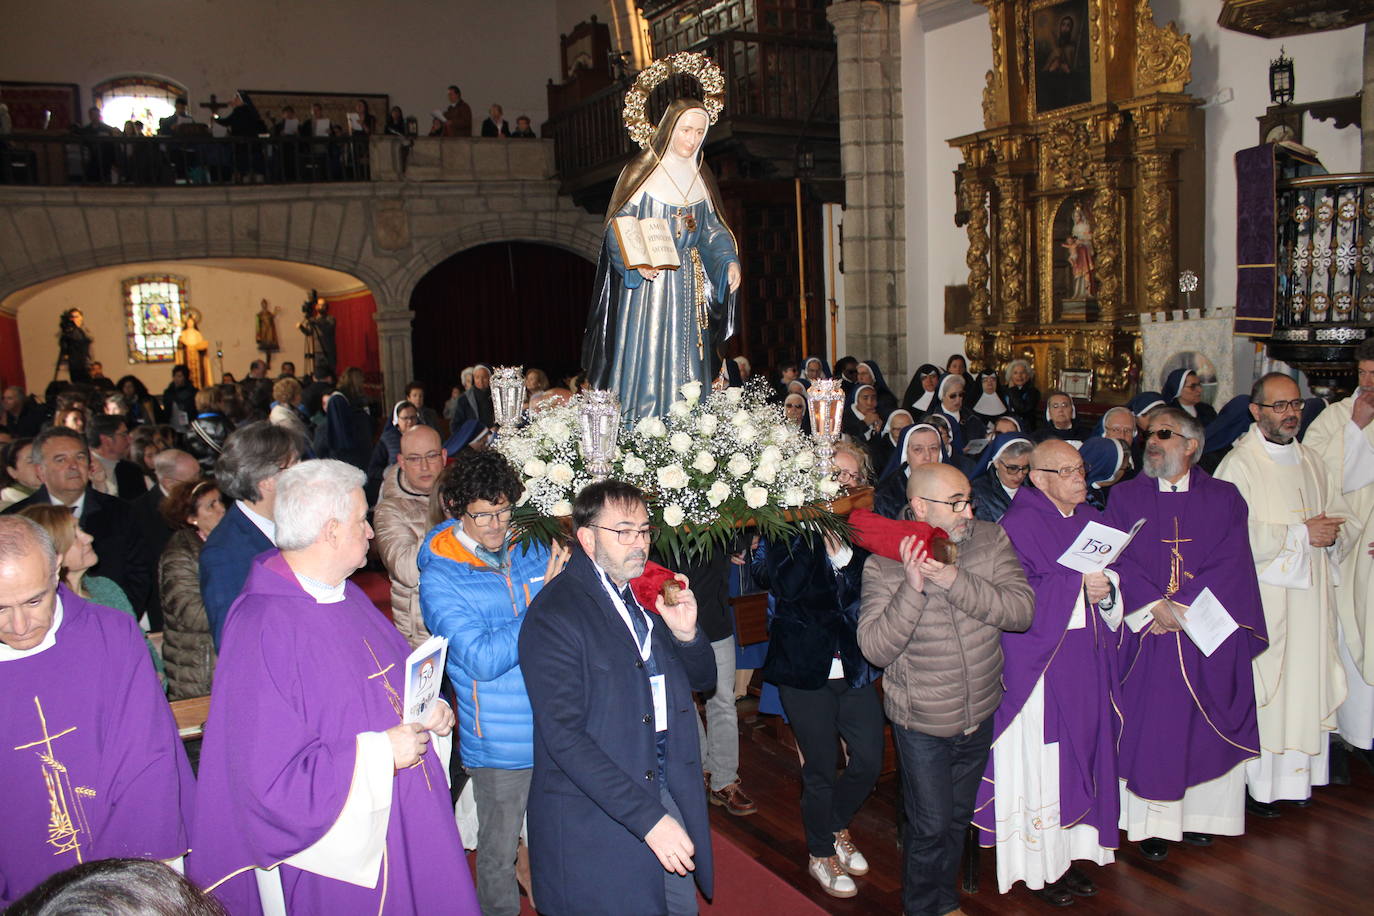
(314, 797)
(1188, 719)
(1050, 793)
(90, 761)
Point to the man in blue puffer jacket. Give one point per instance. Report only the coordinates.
(475, 586)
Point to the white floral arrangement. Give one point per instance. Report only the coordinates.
(714, 464)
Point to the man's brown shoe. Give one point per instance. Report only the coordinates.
(733, 799)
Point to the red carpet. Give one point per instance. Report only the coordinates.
(743, 886)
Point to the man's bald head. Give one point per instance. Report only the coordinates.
(934, 492)
(421, 458)
(1057, 470)
(173, 466)
(927, 478)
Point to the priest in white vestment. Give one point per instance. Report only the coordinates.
(1344, 438)
(1299, 682)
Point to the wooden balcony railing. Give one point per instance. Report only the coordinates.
(771, 82)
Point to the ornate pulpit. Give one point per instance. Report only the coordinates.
(1084, 193)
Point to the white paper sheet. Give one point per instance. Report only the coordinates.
(1096, 546)
(1207, 622)
(424, 673)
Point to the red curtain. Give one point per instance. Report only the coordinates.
(510, 303)
(11, 358)
(355, 333)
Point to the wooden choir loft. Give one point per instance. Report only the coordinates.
(775, 150)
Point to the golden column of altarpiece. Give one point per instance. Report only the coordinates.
(1084, 192)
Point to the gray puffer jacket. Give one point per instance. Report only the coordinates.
(400, 523)
(941, 651)
(187, 649)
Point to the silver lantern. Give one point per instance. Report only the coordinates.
(825, 400)
(507, 394)
(599, 421)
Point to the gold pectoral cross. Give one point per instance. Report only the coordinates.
(1176, 571)
(682, 218)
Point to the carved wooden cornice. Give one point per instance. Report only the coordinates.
(1282, 18)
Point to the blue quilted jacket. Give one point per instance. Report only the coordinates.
(480, 610)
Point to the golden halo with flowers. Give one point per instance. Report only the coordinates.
(693, 64)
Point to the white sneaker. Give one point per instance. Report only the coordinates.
(832, 877)
(851, 860)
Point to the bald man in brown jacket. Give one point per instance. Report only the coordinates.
(936, 631)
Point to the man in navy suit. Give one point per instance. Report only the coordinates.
(617, 808)
(63, 463)
(246, 472)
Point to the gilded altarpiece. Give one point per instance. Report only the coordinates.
(1083, 192)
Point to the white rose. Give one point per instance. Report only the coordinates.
(707, 424)
(705, 462)
(740, 417)
(719, 492)
(524, 497)
(679, 409)
(829, 487)
(672, 477)
(561, 508)
(803, 460)
(673, 515)
(557, 431)
(633, 464)
(739, 464)
(755, 497)
(747, 433)
(534, 468)
(680, 442)
(793, 497)
(772, 454)
(652, 427)
(560, 474)
(780, 435)
(733, 395)
(691, 391)
(767, 472)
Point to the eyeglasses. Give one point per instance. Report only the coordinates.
(955, 394)
(958, 505)
(1014, 468)
(843, 476)
(628, 536)
(1285, 406)
(500, 516)
(1121, 430)
(426, 458)
(1194, 385)
(1076, 470)
(1061, 405)
(1165, 433)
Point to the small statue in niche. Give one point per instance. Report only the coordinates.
(1079, 246)
(268, 341)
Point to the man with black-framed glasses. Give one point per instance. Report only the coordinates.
(1298, 679)
(936, 629)
(1058, 711)
(476, 586)
(401, 520)
(617, 812)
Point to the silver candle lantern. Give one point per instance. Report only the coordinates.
(507, 394)
(825, 400)
(599, 420)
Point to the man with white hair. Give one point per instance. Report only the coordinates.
(315, 796)
(90, 758)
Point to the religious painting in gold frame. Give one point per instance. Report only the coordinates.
(1073, 284)
(1061, 58)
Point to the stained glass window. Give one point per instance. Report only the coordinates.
(152, 310)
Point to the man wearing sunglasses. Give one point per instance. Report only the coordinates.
(1344, 437)
(617, 812)
(1298, 679)
(1172, 694)
(475, 589)
(1060, 678)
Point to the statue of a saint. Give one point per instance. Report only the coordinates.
(267, 329)
(649, 331)
(318, 328)
(1079, 245)
(193, 350)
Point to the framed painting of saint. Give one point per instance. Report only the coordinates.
(1062, 71)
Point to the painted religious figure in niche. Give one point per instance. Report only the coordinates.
(1074, 282)
(1063, 75)
(193, 350)
(267, 329)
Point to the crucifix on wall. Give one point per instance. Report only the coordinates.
(214, 105)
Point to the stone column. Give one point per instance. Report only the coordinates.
(1367, 103)
(869, 72)
(393, 347)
